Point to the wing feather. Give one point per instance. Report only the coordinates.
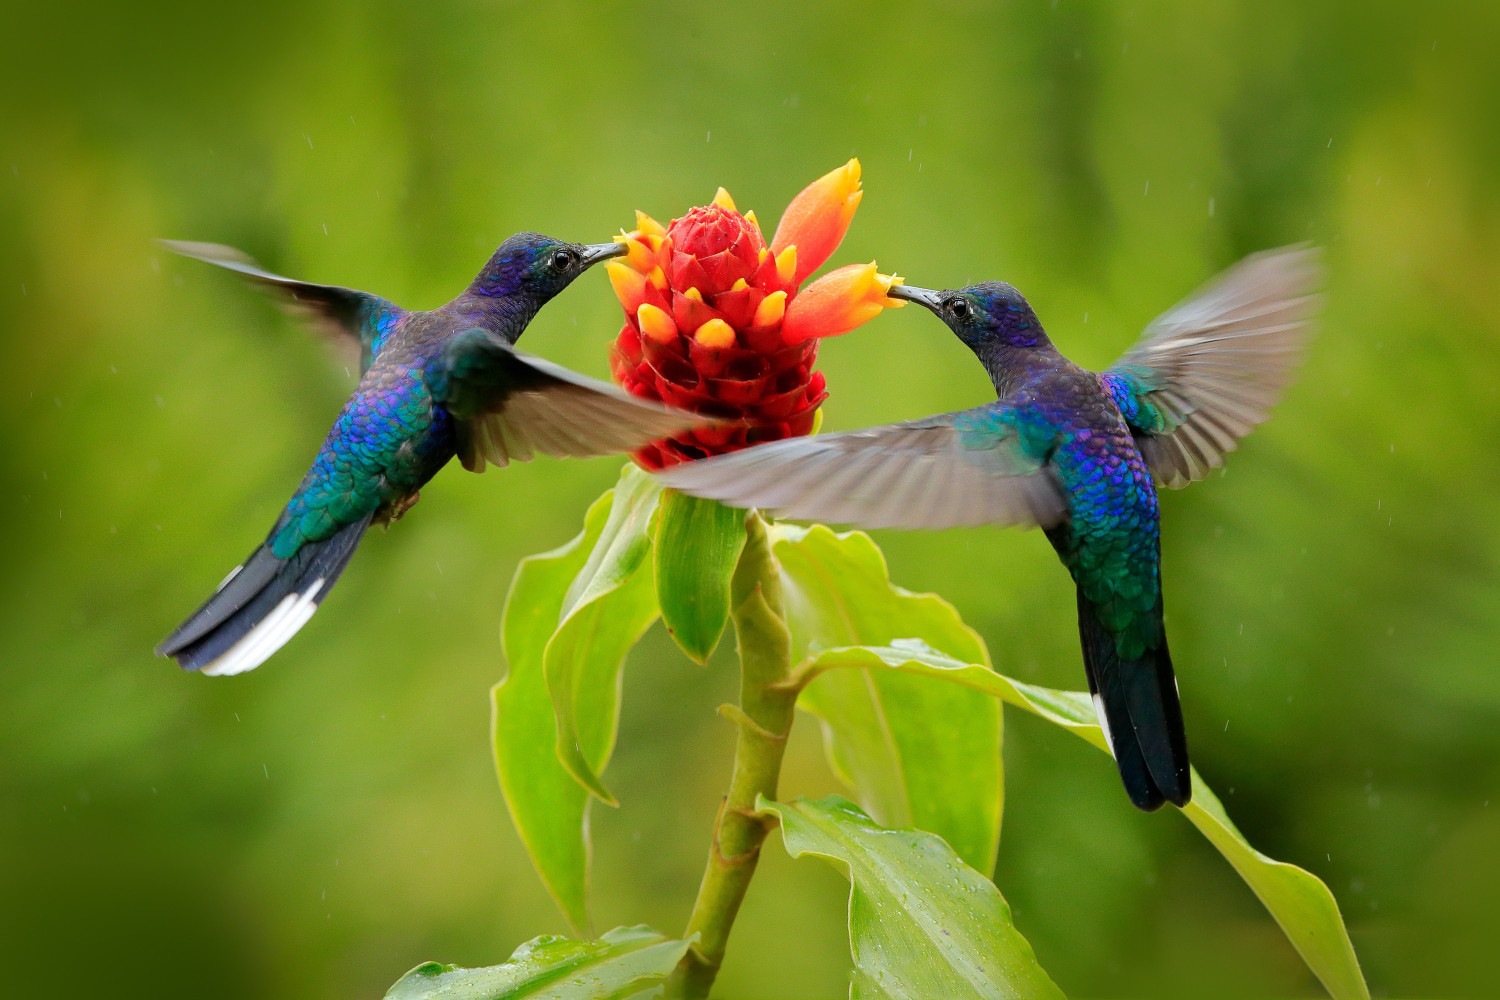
(344, 315)
(1207, 371)
(935, 473)
(513, 405)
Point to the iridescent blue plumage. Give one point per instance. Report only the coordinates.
(434, 385)
(1071, 451)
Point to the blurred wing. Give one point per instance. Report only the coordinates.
(947, 471)
(1207, 371)
(513, 404)
(341, 314)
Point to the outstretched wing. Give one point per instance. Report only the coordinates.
(340, 313)
(955, 469)
(512, 404)
(1208, 370)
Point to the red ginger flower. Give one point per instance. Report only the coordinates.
(715, 321)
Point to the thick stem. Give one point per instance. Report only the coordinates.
(763, 719)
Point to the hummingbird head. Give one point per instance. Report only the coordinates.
(985, 316)
(537, 267)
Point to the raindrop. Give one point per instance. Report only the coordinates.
(1210, 208)
(267, 769)
(709, 137)
(1147, 191)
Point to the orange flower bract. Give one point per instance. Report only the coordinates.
(716, 321)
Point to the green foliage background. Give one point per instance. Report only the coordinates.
(320, 826)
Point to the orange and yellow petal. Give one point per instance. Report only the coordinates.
(817, 219)
(837, 303)
(628, 283)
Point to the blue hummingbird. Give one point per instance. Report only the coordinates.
(433, 385)
(1073, 452)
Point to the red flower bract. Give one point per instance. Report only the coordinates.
(713, 322)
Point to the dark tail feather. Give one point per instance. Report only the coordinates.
(261, 605)
(1137, 705)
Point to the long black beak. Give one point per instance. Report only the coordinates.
(595, 252)
(922, 296)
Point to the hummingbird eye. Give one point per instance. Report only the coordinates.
(959, 307)
(563, 260)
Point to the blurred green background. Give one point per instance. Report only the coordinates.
(318, 827)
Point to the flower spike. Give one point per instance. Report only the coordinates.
(715, 321)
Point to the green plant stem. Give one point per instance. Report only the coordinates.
(763, 719)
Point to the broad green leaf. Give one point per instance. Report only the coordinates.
(608, 606)
(698, 543)
(547, 806)
(922, 924)
(915, 754)
(623, 963)
(1297, 899)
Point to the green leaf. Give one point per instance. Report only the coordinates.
(606, 609)
(915, 754)
(1297, 899)
(547, 806)
(621, 964)
(922, 924)
(698, 543)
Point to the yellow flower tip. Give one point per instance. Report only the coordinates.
(624, 237)
(638, 255)
(740, 284)
(657, 277)
(648, 226)
(715, 334)
(887, 282)
(761, 259)
(722, 199)
(770, 310)
(694, 294)
(654, 242)
(750, 218)
(786, 265)
(656, 323)
(851, 203)
(628, 283)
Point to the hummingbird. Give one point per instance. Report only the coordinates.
(1071, 451)
(433, 385)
